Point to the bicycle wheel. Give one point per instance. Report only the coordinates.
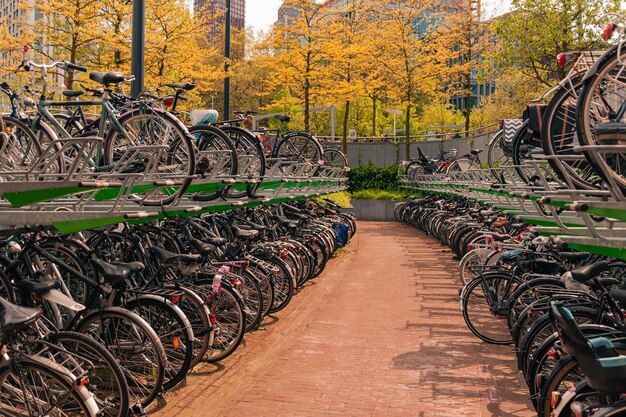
(44, 388)
(250, 158)
(559, 137)
(106, 378)
(174, 330)
(283, 283)
(482, 304)
(250, 290)
(22, 149)
(135, 346)
(334, 158)
(472, 259)
(230, 320)
(199, 317)
(221, 162)
(144, 130)
(303, 148)
(461, 165)
(602, 97)
(496, 157)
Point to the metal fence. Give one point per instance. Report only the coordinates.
(384, 154)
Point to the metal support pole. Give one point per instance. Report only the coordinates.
(394, 127)
(333, 123)
(227, 65)
(138, 46)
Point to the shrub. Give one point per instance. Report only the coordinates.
(369, 177)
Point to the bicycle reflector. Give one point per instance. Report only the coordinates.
(168, 102)
(608, 31)
(561, 59)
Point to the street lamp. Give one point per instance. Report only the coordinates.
(395, 114)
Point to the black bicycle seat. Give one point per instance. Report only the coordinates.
(618, 295)
(476, 151)
(39, 288)
(283, 117)
(72, 93)
(219, 241)
(203, 248)
(113, 274)
(133, 267)
(14, 317)
(590, 271)
(244, 234)
(167, 257)
(106, 78)
(573, 256)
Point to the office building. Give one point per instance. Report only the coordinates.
(215, 10)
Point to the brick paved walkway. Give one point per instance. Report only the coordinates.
(378, 334)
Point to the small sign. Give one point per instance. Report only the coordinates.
(352, 134)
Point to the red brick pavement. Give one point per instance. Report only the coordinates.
(378, 334)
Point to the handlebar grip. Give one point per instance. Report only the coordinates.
(26, 65)
(76, 67)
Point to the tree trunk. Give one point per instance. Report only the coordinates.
(374, 115)
(69, 79)
(307, 92)
(346, 116)
(407, 131)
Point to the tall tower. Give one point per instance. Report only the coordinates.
(211, 8)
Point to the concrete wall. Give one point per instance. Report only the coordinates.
(374, 210)
(383, 154)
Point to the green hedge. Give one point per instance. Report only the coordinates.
(367, 177)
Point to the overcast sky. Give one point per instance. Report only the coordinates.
(260, 14)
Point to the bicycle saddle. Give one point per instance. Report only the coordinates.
(14, 317)
(573, 256)
(590, 271)
(282, 117)
(300, 216)
(219, 241)
(285, 221)
(186, 86)
(203, 248)
(500, 236)
(106, 78)
(618, 295)
(39, 288)
(167, 257)
(476, 151)
(72, 93)
(133, 267)
(112, 274)
(244, 234)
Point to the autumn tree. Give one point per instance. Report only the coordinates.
(472, 44)
(347, 55)
(69, 29)
(413, 57)
(536, 31)
(298, 55)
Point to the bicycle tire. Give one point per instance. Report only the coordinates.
(471, 297)
(38, 367)
(180, 144)
(106, 365)
(174, 330)
(144, 383)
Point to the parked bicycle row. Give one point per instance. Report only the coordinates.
(561, 309)
(102, 322)
(540, 236)
(144, 151)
